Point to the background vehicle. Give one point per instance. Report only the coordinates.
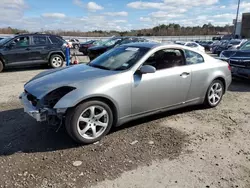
(75, 43)
(231, 44)
(206, 45)
(32, 49)
(192, 45)
(226, 54)
(125, 83)
(84, 46)
(95, 51)
(240, 63)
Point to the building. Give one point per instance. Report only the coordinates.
(245, 25)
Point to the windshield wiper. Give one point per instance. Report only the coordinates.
(100, 67)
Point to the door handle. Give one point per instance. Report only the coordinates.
(185, 74)
(27, 49)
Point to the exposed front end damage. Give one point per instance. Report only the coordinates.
(43, 109)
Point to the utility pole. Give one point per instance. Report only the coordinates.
(236, 20)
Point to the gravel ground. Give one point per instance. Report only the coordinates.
(191, 147)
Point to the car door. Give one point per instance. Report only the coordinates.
(167, 87)
(200, 75)
(39, 49)
(17, 51)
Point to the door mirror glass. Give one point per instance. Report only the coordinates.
(145, 69)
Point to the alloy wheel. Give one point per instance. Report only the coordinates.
(57, 62)
(215, 93)
(92, 122)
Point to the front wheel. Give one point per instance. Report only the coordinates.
(89, 121)
(214, 94)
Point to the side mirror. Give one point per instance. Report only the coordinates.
(10, 45)
(145, 69)
(238, 47)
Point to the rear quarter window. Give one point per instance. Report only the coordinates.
(56, 40)
(193, 57)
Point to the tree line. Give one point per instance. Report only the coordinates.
(161, 30)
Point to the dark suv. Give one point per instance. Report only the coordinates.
(32, 49)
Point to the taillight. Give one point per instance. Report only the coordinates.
(229, 67)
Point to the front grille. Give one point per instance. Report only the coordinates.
(240, 63)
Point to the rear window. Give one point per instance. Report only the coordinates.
(56, 40)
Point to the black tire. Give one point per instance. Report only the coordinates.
(1, 66)
(72, 116)
(56, 61)
(76, 46)
(207, 102)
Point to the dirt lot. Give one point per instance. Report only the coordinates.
(192, 147)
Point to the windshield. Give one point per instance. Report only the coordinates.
(111, 42)
(121, 58)
(3, 41)
(246, 46)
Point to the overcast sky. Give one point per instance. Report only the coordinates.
(37, 15)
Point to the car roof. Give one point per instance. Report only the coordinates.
(143, 44)
(35, 34)
(155, 44)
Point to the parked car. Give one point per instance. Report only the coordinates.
(95, 51)
(226, 54)
(232, 44)
(86, 45)
(123, 84)
(32, 49)
(73, 43)
(192, 45)
(206, 45)
(240, 63)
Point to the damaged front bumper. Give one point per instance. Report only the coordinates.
(38, 114)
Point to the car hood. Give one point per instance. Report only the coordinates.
(244, 54)
(48, 81)
(229, 53)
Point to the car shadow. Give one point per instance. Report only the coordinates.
(26, 68)
(240, 85)
(21, 133)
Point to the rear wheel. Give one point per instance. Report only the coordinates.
(56, 61)
(214, 93)
(1, 66)
(89, 122)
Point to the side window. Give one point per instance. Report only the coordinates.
(167, 58)
(193, 57)
(21, 41)
(55, 40)
(39, 40)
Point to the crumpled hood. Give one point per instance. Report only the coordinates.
(48, 81)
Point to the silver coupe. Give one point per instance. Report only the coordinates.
(123, 84)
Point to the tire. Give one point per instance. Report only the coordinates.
(76, 46)
(83, 131)
(1, 66)
(214, 94)
(56, 61)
